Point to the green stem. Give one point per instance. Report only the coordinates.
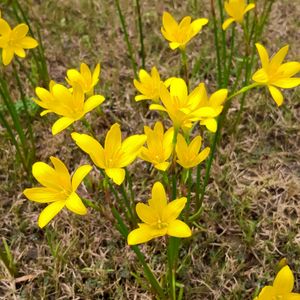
(184, 66)
(232, 49)
(128, 206)
(140, 24)
(147, 271)
(188, 203)
(126, 38)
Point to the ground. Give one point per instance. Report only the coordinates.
(251, 211)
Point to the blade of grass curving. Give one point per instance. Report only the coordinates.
(140, 25)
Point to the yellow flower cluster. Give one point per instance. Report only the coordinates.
(14, 41)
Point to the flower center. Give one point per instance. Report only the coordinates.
(161, 225)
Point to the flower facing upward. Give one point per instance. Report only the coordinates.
(14, 41)
(209, 108)
(115, 155)
(148, 85)
(71, 105)
(180, 34)
(275, 74)
(85, 78)
(177, 102)
(236, 9)
(282, 287)
(160, 146)
(159, 217)
(189, 155)
(59, 189)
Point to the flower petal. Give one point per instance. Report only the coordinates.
(4, 27)
(138, 236)
(261, 76)
(61, 124)
(179, 229)
(62, 172)
(74, 204)
(263, 54)
(211, 124)
(284, 280)
(79, 175)
(287, 83)
(50, 212)
(116, 174)
(7, 56)
(20, 31)
(146, 213)
(249, 7)
(278, 58)
(173, 209)
(227, 22)
(169, 23)
(43, 195)
(28, 42)
(92, 102)
(159, 199)
(276, 95)
(113, 139)
(289, 69)
(219, 97)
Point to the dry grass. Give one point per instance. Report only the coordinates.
(252, 214)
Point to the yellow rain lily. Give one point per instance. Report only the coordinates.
(71, 105)
(236, 9)
(180, 34)
(159, 217)
(282, 287)
(148, 85)
(275, 74)
(160, 146)
(189, 155)
(85, 78)
(115, 155)
(209, 108)
(59, 189)
(14, 41)
(178, 103)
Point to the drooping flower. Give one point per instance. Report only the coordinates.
(180, 34)
(14, 41)
(71, 105)
(189, 155)
(274, 74)
(58, 189)
(236, 9)
(178, 103)
(160, 146)
(159, 218)
(148, 85)
(209, 108)
(115, 155)
(85, 78)
(282, 287)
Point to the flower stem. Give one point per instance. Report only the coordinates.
(140, 24)
(184, 66)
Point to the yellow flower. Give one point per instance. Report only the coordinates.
(189, 155)
(71, 105)
(178, 103)
(148, 85)
(275, 74)
(236, 9)
(59, 189)
(159, 217)
(14, 41)
(282, 287)
(85, 78)
(160, 146)
(180, 34)
(209, 108)
(115, 155)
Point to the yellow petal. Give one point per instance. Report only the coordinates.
(46, 176)
(205, 112)
(219, 97)
(276, 95)
(96, 73)
(268, 292)
(174, 45)
(146, 213)
(92, 102)
(90, 146)
(61, 124)
(62, 172)
(178, 89)
(249, 7)
(179, 229)
(116, 174)
(159, 199)
(138, 236)
(74, 204)
(157, 107)
(20, 52)
(202, 156)
(20, 31)
(43, 195)
(261, 76)
(50, 212)
(169, 23)
(4, 27)
(289, 69)
(162, 166)
(113, 139)
(263, 54)
(287, 83)
(7, 56)
(28, 42)
(227, 22)
(86, 72)
(79, 175)
(198, 24)
(211, 124)
(195, 145)
(181, 147)
(284, 281)
(173, 209)
(278, 58)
